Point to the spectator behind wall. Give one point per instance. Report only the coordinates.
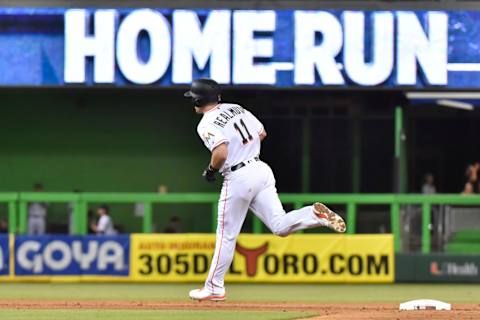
(104, 225)
(428, 186)
(3, 226)
(472, 176)
(174, 225)
(37, 214)
(467, 189)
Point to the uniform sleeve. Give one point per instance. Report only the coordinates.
(211, 137)
(258, 125)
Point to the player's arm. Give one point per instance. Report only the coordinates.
(216, 141)
(95, 228)
(219, 156)
(262, 134)
(100, 227)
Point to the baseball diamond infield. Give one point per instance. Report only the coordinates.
(162, 301)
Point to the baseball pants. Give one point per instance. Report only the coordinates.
(251, 187)
(36, 226)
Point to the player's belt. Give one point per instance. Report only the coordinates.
(243, 164)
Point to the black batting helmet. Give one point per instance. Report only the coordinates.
(203, 91)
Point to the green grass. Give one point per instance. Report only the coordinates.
(309, 293)
(147, 315)
(245, 292)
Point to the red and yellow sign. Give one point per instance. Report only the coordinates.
(266, 258)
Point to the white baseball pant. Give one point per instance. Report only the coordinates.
(251, 187)
(36, 226)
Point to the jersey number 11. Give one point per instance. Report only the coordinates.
(244, 137)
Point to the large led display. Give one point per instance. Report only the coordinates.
(277, 48)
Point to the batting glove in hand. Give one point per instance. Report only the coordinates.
(209, 173)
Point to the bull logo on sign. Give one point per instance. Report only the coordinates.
(251, 257)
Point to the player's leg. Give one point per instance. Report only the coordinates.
(232, 210)
(41, 226)
(267, 206)
(32, 227)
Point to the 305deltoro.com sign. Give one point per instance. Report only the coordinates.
(297, 258)
(285, 48)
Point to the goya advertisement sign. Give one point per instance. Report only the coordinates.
(4, 255)
(265, 258)
(72, 255)
(278, 48)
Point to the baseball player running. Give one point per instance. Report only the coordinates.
(233, 135)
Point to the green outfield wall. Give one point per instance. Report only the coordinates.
(93, 141)
(17, 204)
(99, 143)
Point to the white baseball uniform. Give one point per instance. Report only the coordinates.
(105, 226)
(250, 187)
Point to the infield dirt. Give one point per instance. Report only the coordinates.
(328, 311)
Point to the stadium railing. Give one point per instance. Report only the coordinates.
(17, 204)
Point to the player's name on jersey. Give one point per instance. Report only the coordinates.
(227, 114)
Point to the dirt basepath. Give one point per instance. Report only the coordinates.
(327, 311)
